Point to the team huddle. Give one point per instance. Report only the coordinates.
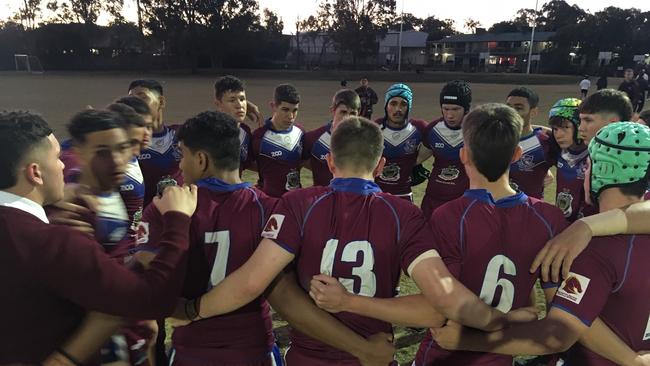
(131, 221)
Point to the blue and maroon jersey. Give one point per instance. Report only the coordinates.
(570, 177)
(356, 233)
(317, 146)
(224, 233)
(489, 245)
(132, 192)
(539, 155)
(278, 155)
(111, 222)
(245, 154)
(401, 148)
(160, 160)
(610, 280)
(448, 179)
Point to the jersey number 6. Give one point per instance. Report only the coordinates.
(492, 281)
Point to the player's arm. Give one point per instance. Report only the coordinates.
(410, 311)
(245, 284)
(560, 252)
(294, 306)
(424, 153)
(602, 340)
(553, 334)
(450, 297)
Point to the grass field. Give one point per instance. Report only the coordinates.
(59, 95)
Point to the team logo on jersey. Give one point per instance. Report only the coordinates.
(582, 170)
(410, 146)
(142, 233)
(514, 186)
(137, 216)
(564, 202)
(293, 180)
(449, 173)
(273, 226)
(573, 288)
(390, 173)
(526, 163)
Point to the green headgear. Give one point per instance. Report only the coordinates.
(620, 155)
(567, 108)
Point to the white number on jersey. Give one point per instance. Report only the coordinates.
(492, 281)
(222, 239)
(362, 273)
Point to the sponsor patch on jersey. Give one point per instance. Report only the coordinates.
(142, 233)
(390, 173)
(573, 288)
(449, 173)
(273, 226)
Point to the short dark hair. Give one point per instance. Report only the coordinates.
(608, 101)
(492, 133)
(558, 121)
(529, 94)
(286, 93)
(357, 143)
(21, 132)
(93, 120)
(348, 98)
(637, 189)
(129, 115)
(150, 84)
(139, 106)
(227, 83)
(215, 133)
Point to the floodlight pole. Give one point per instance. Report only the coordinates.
(532, 39)
(399, 43)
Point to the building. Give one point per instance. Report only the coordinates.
(414, 49)
(503, 52)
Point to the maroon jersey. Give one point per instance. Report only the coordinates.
(224, 233)
(278, 155)
(539, 155)
(245, 154)
(53, 274)
(489, 246)
(401, 153)
(159, 160)
(610, 280)
(317, 146)
(571, 167)
(448, 179)
(356, 233)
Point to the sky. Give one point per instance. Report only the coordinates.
(486, 12)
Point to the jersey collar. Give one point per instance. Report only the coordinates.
(354, 185)
(218, 185)
(484, 196)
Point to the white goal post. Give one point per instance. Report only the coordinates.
(28, 63)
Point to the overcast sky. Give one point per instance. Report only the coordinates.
(486, 12)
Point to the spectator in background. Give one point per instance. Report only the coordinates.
(631, 87)
(368, 98)
(601, 83)
(585, 84)
(642, 80)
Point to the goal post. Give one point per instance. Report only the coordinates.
(28, 63)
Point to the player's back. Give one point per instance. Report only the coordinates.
(489, 247)
(621, 264)
(357, 234)
(224, 233)
(539, 154)
(159, 160)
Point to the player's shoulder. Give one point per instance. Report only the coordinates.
(453, 211)
(544, 208)
(260, 131)
(245, 127)
(306, 195)
(399, 205)
(420, 124)
(173, 129)
(317, 132)
(379, 121)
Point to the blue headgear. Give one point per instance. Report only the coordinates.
(399, 90)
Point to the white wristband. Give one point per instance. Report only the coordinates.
(612, 222)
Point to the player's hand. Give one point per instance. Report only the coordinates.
(253, 113)
(57, 359)
(73, 210)
(328, 293)
(449, 336)
(560, 252)
(180, 199)
(643, 359)
(179, 317)
(380, 350)
(522, 315)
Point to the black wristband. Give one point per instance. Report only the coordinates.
(72, 360)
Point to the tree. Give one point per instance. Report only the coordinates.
(272, 22)
(28, 12)
(438, 29)
(471, 25)
(356, 24)
(85, 11)
(411, 22)
(558, 14)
